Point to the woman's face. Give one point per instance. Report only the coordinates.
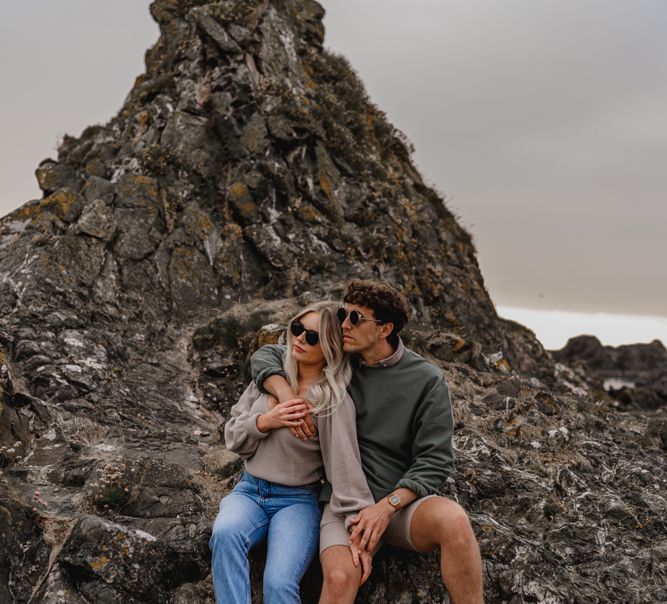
(301, 350)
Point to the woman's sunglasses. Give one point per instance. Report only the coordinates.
(297, 328)
(355, 317)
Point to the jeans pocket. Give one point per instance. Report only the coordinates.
(246, 483)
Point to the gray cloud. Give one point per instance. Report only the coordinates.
(65, 65)
(544, 124)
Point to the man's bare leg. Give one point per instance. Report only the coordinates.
(442, 523)
(341, 576)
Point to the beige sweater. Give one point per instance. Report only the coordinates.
(280, 457)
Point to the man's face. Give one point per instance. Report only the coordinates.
(365, 335)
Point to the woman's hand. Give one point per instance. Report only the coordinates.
(288, 414)
(365, 559)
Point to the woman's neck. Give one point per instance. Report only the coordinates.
(308, 375)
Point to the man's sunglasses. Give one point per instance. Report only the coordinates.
(297, 328)
(355, 317)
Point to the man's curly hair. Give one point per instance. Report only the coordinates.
(388, 304)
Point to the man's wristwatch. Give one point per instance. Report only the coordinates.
(394, 501)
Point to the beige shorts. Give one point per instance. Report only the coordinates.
(333, 532)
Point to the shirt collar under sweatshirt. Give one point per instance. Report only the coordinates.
(392, 359)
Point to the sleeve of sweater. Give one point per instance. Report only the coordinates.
(432, 452)
(342, 461)
(267, 361)
(241, 433)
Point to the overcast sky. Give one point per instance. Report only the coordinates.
(544, 123)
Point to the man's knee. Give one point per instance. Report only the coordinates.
(459, 522)
(338, 577)
(442, 522)
(454, 527)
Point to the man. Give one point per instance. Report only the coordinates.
(404, 427)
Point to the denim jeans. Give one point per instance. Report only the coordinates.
(289, 517)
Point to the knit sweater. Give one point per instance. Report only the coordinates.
(280, 457)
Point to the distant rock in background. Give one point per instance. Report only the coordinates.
(634, 375)
(246, 175)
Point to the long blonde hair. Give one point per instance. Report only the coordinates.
(329, 392)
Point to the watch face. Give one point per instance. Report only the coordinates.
(394, 500)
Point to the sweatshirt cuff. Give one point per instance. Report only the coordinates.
(252, 429)
(264, 374)
(415, 487)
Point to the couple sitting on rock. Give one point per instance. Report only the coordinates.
(345, 401)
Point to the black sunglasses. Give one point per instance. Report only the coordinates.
(297, 328)
(355, 317)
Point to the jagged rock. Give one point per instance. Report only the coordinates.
(109, 563)
(24, 554)
(97, 221)
(98, 188)
(634, 375)
(247, 175)
(17, 409)
(52, 176)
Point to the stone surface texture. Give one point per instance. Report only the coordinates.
(246, 175)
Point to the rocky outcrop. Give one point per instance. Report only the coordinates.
(634, 375)
(247, 174)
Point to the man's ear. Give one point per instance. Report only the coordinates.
(386, 329)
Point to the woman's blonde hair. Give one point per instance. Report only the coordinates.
(329, 392)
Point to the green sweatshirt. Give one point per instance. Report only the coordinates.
(404, 419)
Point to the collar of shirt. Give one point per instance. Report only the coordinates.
(392, 359)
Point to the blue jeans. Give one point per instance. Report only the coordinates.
(288, 516)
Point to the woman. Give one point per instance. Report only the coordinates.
(277, 496)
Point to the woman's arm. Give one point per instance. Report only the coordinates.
(342, 461)
(251, 421)
(241, 432)
(342, 465)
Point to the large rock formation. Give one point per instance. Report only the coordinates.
(247, 174)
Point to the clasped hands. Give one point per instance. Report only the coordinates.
(293, 413)
(368, 527)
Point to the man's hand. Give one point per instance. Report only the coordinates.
(369, 525)
(288, 414)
